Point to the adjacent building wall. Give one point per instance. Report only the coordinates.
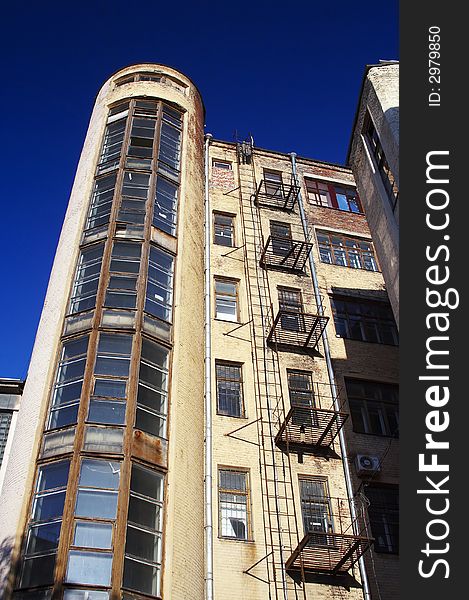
(380, 99)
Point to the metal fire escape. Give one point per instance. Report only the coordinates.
(279, 511)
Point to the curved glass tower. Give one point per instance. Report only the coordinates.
(121, 335)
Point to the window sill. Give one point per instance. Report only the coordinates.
(226, 321)
(233, 539)
(349, 267)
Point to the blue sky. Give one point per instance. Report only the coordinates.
(287, 72)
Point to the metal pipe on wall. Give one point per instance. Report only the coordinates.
(330, 372)
(208, 388)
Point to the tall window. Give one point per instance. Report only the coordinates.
(223, 229)
(90, 556)
(316, 506)
(333, 195)
(142, 562)
(281, 238)
(85, 286)
(366, 320)
(273, 183)
(387, 177)
(383, 513)
(233, 502)
(68, 383)
(152, 398)
(229, 389)
(113, 138)
(124, 268)
(101, 201)
(346, 251)
(43, 534)
(300, 388)
(374, 407)
(5, 422)
(226, 299)
(291, 305)
(159, 294)
(134, 196)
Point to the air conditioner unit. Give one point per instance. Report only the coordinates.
(367, 464)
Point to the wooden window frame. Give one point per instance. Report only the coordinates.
(247, 494)
(345, 251)
(235, 282)
(217, 213)
(242, 408)
(332, 189)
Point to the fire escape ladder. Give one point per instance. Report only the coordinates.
(281, 534)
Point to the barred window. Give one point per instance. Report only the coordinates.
(383, 513)
(229, 389)
(336, 249)
(233, 498)
(374, 407)
(364, 320)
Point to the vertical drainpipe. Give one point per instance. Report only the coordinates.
(208, 387)
(330, 372)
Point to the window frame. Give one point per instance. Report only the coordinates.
(333, 191)
(242, 407)
(218, 296)
(330, 247)
(347, 323)
(247, 494)
(362, 404)
(219, 161)
(380, 161)
(387, 512)
(232, 226)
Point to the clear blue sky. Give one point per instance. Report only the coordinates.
(288, 72)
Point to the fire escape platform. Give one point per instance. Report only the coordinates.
(278, 196)
(285, 254)
(297, 330)
(327, 553)
(309, 429)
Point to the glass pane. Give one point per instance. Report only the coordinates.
(67, 393)
(146, 482)
(85, 595)
(93, 535)
(115, 344)
(90, 568)
(96, 504)
(53, 476)
(38, 571)
(60, 417)
(58, 442)
(142, 544)
(141, 577)
(49, 506)
(107, 365)
(150, 423)
(43, 538)
(144, 512)
(100, 474)
(110, 388)
(103, 439)
(106, 412)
